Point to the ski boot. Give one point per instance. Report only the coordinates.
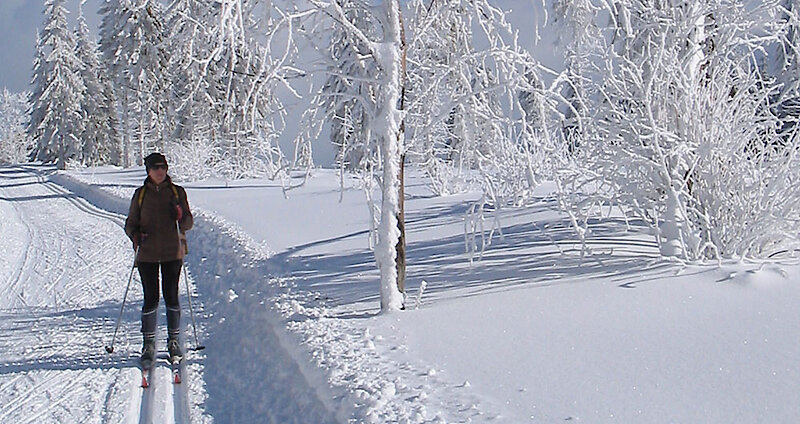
(174, 349)
(148, 353)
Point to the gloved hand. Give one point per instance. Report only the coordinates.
(138, 238)
(178, 212)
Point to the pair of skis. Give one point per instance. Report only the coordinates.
(175, 366)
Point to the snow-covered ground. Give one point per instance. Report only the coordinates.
(285, 293)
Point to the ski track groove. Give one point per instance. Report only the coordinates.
(108, 404)
(28, 395)
(63, 395)
(146, 403)
(47, 262)
(13, 283)
(8, 386)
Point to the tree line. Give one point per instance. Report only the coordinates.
(679, 114)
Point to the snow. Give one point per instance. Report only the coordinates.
(287, 300)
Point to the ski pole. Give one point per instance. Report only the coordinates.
(110, 348)
(197, 345)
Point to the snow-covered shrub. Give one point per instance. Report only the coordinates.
(680, 132)
(14, 142)
(478, 111)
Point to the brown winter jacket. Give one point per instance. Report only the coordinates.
(156, 218)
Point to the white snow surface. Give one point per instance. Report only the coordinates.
(286, 299)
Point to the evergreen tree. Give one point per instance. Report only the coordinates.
(131, 41)
(100, 144)
(41, 75)
(59, 93)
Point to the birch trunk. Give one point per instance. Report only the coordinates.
(387, 127)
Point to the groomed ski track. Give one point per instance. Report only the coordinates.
(63, 273)
(62, 283)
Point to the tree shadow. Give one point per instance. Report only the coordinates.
(529, 253)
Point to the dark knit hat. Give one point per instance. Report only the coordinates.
(154, 159)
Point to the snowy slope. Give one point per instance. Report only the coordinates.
(286, 296)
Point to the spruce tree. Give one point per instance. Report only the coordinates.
(99, 138)
(59, 91)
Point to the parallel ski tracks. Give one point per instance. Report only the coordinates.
(155, 407)
(41, 268)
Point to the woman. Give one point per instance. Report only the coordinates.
(158, 210)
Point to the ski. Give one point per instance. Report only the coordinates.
(175, 364)
(146, 365)
(145, 377)
(176, 373)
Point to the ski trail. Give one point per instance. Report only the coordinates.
(162, 408)
(164, 402)
(60, 279)
(122, 388)
(11, 289)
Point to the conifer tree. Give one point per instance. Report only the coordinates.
(14, 142)
(131, 41)
(59, 91)
(99, 138)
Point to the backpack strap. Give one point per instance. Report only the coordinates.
(141, 195)
(144, 189)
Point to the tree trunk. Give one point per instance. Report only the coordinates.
(401, 219)
(401, 225)
(125, 151)
(387, 128)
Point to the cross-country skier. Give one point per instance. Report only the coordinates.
(151, 226)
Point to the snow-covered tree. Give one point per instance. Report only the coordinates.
(190, 118)
(680, 131)
(14, 142)
(459, 104)
(231, 59)
(131, 41)
(349, 94)
(478, 109)
(99, 138)
(56, 123)
(787, 70)
(378, 47)
(39, 81)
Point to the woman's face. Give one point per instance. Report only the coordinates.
(157, 173)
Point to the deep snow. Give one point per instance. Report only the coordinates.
(286, 296)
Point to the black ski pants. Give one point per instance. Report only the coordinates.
(170, 276)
